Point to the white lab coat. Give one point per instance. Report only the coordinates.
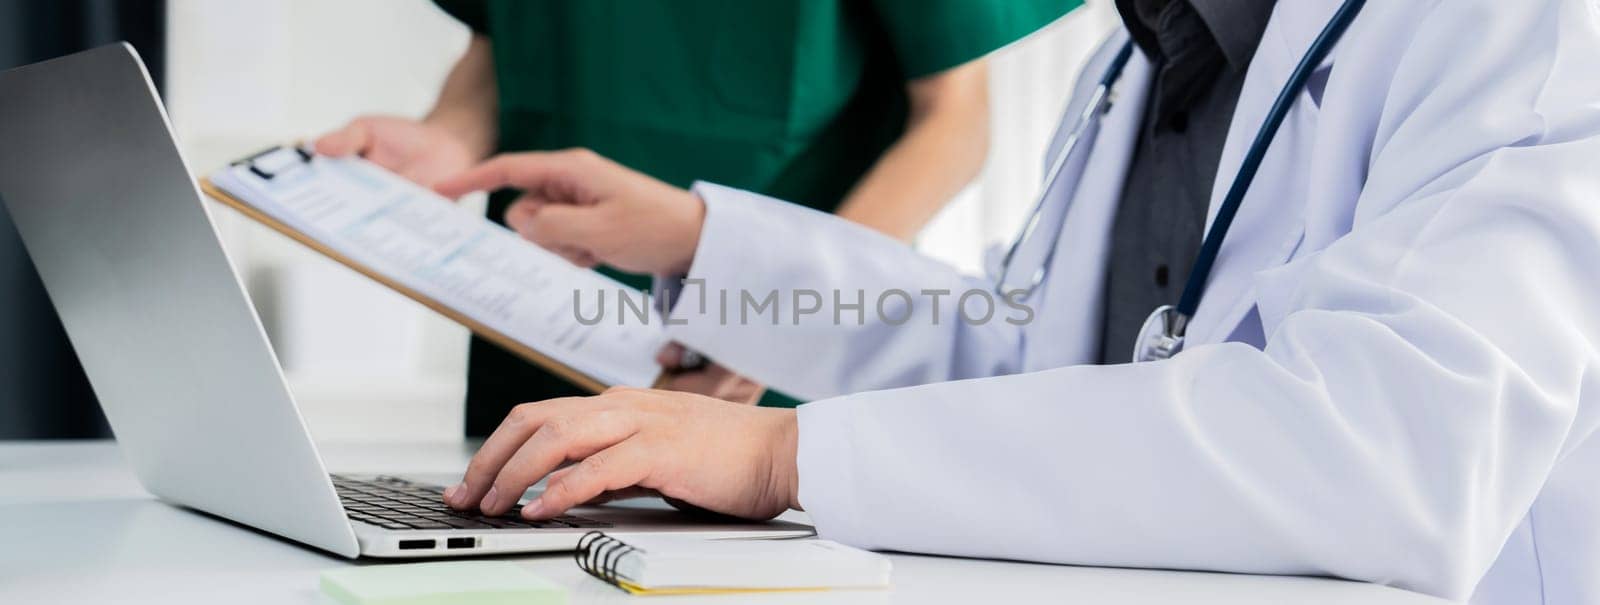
(1392, 376)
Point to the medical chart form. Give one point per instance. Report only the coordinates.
(457, 258)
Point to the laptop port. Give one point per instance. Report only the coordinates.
(461, 542)
(417, 544)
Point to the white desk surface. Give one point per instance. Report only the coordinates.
(75, 527)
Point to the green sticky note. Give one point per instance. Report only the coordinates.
(441, 583)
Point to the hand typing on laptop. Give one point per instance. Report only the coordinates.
(733, 459)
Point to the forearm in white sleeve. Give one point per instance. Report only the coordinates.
(752, 247)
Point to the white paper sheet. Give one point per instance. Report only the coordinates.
(457, 258)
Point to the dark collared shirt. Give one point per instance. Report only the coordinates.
(1201, 49)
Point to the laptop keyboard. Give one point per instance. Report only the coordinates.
(395, 503)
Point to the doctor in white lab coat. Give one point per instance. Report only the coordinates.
(1392, 376)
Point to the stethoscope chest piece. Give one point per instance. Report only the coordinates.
(1161, 337)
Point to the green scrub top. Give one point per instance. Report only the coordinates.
(795, 99)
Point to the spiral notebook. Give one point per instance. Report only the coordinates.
(666, 565)
(509, 291)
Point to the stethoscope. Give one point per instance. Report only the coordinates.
(1163, 332)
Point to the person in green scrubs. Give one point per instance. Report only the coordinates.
(874, 109)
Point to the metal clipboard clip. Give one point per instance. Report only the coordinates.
(272, 162)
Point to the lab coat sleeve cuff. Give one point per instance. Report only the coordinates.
(665, 290)
(826, 461)
(737, 241)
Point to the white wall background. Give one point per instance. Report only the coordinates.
(367, 364)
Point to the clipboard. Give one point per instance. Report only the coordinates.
(500, 339)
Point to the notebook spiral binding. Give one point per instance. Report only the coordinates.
(597, 555)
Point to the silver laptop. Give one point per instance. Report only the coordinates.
(116, 227)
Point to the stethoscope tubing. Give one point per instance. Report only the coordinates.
(1189, 301)
(1211, 244)
(1098, 103)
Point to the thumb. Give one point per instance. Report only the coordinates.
(531, 171)
(558, 226)
(352, 139)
